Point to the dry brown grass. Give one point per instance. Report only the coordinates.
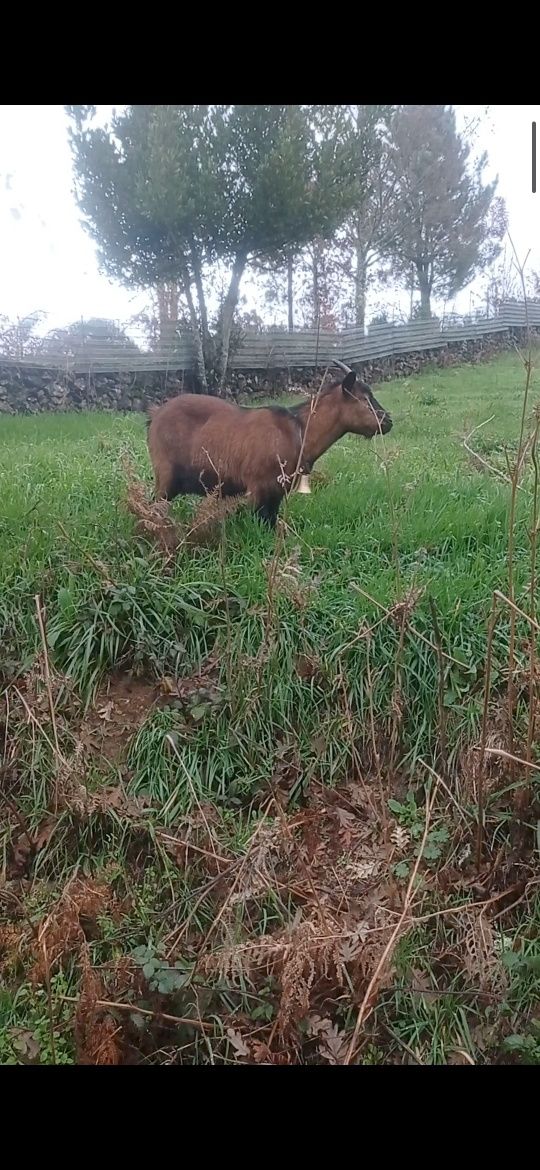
(156, 525)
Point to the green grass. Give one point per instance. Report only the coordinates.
(406, 513)
(61, 489)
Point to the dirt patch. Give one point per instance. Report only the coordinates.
(120, 709)
(124, 703)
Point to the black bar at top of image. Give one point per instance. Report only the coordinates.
(534, 158)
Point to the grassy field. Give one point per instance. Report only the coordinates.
(242, 784)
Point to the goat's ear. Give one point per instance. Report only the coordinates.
(348, 382)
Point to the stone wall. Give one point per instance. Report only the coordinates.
(31, 390)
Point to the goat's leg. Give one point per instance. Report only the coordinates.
(268, 509)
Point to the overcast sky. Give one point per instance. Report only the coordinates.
(48, 262)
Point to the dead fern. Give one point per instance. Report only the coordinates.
(153, 521)
(311, 953)
(400, 838)
(156, 525)
(481, 957)
(96, 1035)
(62, 933)
(209, 515)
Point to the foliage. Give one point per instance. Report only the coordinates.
(168, 191)
(25, 1029)
(163, 977)
(369, 230)
(328, 279)
(447, 225)
(504, 282)
(80, 335)
(18, 338)
(403, 182)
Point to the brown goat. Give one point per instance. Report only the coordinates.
(198, 443)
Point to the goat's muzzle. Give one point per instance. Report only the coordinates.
(385, 422)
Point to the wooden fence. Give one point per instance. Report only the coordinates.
(280, 350)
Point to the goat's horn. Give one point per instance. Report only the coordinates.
(342, 366)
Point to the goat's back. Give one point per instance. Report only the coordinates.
(196, 441)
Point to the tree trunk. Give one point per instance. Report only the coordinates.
(201, 299)
(290, 303)
(424, 285)
(425, 302)
(227, 317)
(316, 290)
(196, 332)
(167, 297)
(207, 345)
(360, 284)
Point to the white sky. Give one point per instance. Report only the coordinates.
(48, 262)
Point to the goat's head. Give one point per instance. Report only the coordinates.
(362, 414)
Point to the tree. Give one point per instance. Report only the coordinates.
(320, 286)
(446, 225)
(18, 338)
(507, 282)
(355, 249)
(81, 336)
(164, 318)
(168, 191)
(168, 310)
(501, 283)
(369, 231)
(278, 283)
